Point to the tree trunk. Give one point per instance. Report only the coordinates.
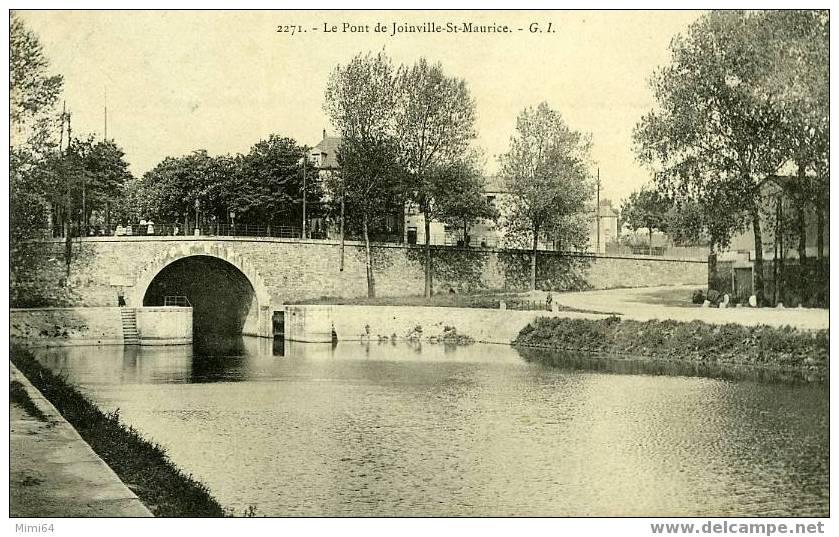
(820, 231)
(651, 241)
(801, 223)
(428, 267)
(341, 260)
(533, 259)
(822, 297)
(801, 214)
(68, 246)
(712, 266)
(776, 288)
(371, 284)
(758, 263)
(803, 276)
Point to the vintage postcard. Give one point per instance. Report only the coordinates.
(421, 263)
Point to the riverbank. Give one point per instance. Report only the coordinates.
(783, 349)
(52, 471)
(140, 464)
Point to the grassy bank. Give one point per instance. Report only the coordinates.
(140, 464)
(762, 346)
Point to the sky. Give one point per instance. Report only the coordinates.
(178, 81)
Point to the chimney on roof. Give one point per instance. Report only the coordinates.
(324, 134)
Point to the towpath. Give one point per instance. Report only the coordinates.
(54, 473)
(673, 302)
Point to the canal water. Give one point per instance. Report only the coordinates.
(401, 429)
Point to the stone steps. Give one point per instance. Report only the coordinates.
(129, 326)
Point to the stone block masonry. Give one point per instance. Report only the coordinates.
(65, 326)
(47, 327)
(314, 323)
(285, 271)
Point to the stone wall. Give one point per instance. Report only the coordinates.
(285, 271)
(314, 323)
(614, 272)
(164, 326)
(65, 326)
(47, 327)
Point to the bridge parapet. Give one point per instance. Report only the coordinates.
(287, 271)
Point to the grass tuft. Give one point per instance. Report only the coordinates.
(142, 465)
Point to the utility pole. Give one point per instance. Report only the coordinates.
(106, 112)
(68, 230)
(63, 231)
(597, 211)
(305, 158)
(63, 116)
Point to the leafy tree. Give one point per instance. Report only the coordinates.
(360, 100)
(546, 173)
(570, 232)
(103, 182)
(33, 91)
(685, 223)
(270, 183)
(797, 45)
(701, 215)
(170, 190)
(715, 124)
(33, 94)
(435, 121)
(460, 200)
(646, 208)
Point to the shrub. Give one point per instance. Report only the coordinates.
(672, 340)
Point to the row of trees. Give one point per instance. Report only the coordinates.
(264, 186)
(744, 98)
(55, 179)
(407, 134)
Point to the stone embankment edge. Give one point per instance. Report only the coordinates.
(54, 416)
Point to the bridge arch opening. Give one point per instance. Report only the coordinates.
(223, 299)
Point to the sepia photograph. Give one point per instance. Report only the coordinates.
(380, 263)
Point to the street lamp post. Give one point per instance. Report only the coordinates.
(232, 222)
(197, 228)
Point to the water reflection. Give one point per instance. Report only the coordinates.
(379, 428)
(571, 360)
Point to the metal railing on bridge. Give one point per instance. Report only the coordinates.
(178, 301)
(219, 230)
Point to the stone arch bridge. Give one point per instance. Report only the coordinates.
(236, 284)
